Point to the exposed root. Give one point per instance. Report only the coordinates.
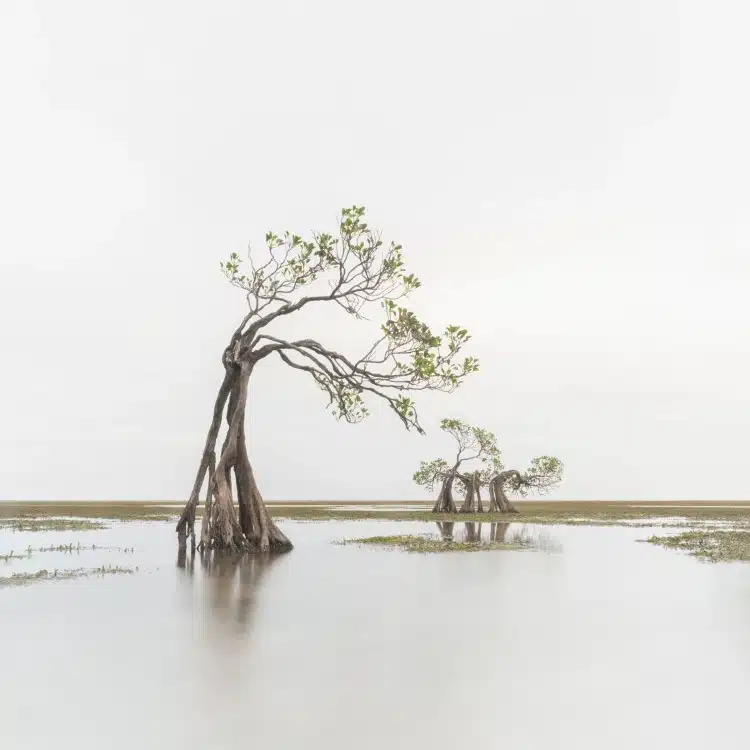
(248, 527)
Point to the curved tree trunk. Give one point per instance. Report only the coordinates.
(478, 492)
(499, 502)
(445, 502)
(249, 527)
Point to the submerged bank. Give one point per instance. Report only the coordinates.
(551, 513)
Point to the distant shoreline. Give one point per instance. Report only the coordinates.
(285, 503)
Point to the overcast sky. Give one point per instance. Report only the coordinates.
(568, 178)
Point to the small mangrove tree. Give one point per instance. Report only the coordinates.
(544, 473)
(476, 449)
(478, 464)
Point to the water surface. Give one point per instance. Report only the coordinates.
(604, 643)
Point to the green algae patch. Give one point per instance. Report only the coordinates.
(429, 544)
(712, 545)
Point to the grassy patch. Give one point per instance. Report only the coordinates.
(50, 524)
(24, 579)
(570, 513)
(709, 544)
(23, 511)
(53, 516)
(427, 543)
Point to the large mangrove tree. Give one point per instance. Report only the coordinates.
(354, 270)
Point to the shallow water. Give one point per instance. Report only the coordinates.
(604, 644)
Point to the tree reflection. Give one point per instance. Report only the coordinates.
(184, 562)
(229, 584)
(498, 531)
(473, 532)
(446, 529)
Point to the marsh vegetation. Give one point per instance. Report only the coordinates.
(714, 545)
(470, 538)
(39, 523)
(713, 532)
(63, 574)
(430, 543)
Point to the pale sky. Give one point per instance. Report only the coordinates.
(569, 179)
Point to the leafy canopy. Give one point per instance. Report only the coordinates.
(544, 473)
(356, 270)
(431, 473)
(478, 448)
(472, 444)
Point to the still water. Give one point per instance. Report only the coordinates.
(601, 643)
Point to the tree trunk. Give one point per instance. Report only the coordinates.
(445, 503)
(209, 502)
(186, 524)
(471, 532)
(468, 506)
(262, 529)
(499, 502)
(473, 497)
(493, 499)
(224, 530)
(249, 528)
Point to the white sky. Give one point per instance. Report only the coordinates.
(568, 178)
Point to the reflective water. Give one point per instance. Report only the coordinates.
(606, 644)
